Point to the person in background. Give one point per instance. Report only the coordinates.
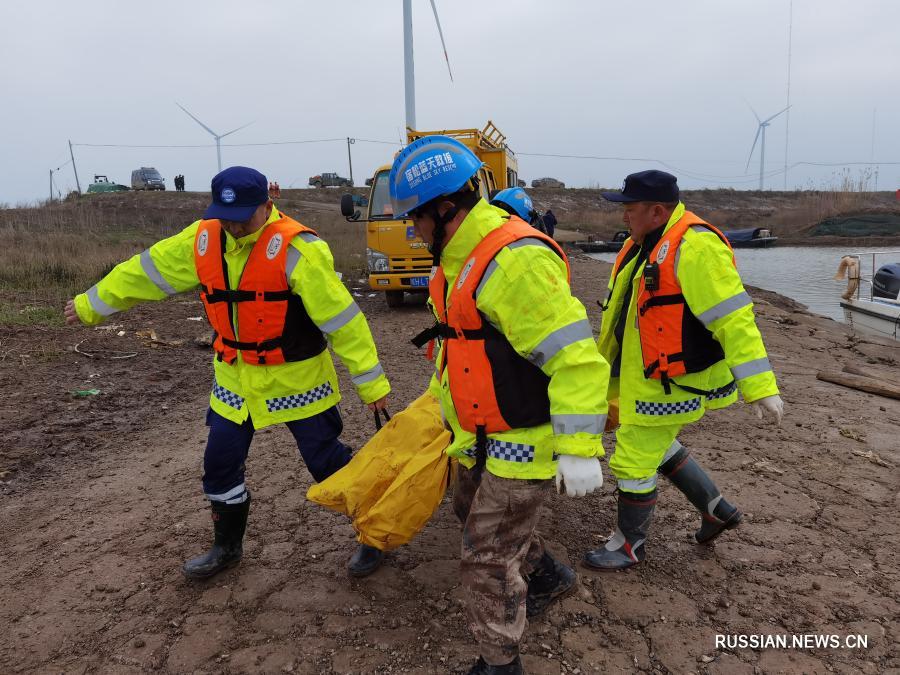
(515, 201)
(549, 222)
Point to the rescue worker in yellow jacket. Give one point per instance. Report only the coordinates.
(275, 302)
(520, 383)
(679, 331)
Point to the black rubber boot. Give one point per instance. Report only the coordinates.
(698, 487)
(549, 581)
(482, 667)
(365, 560)
(229, 523)
(626, 547)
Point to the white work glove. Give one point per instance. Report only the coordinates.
(580, 475)
(772, 406)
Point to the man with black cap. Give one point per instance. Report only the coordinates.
(679, 330)
(272, 296)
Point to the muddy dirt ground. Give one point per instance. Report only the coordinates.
(100, 502)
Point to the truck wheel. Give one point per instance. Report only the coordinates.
(317, 184)
(394, 299)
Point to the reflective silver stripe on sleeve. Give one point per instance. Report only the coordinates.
(527, 241)
(367, 376)
(638, 484)
(491, 268)
(340, 320)
(573, 424)
(98, 305)
(308, 237)
(751, 368)
(150, 270)
(559, 339)
(293, 257)
(724, 308)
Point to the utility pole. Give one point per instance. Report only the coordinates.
(409, 76)
(74, 168)
(350, 141)
(51, 185)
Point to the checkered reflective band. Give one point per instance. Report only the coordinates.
(299, 400)
(647, 408)
(510, 452)
(227, 397)
(722, 392)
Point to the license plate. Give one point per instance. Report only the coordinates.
(418, 281)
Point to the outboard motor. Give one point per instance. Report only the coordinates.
(887, 281)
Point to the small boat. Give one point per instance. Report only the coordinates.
(879, 313)
(751, 237)
(600, 246)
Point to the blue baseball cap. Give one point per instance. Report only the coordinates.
(236, 194)
(646, 186)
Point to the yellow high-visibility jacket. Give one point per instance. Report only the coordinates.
(267, 394)
(526, 296)
(714, 293)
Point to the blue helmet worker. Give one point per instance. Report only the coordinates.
(515, 201)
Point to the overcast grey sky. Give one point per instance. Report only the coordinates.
(654, 79)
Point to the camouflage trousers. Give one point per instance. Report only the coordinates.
(500, 545)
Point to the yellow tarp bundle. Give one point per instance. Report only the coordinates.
(393, 485)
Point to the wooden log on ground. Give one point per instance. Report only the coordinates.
(869, 385)
(869, 372)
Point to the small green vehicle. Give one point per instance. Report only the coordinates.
(103, 184)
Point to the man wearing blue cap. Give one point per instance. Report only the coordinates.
(272, 296)
(679, 331)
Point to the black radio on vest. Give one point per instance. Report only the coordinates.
(651, 276)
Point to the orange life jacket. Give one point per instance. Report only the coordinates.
(271, 321)
(493, 388)
(673, 341)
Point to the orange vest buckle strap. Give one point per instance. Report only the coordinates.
(493, 388)
(673, 340)
(272, 325)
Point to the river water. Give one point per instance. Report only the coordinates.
(803, 273)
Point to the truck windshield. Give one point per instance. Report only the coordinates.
(152, 175)
(380, 204)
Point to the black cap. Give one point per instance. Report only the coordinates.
(646, 186)
(236, 194)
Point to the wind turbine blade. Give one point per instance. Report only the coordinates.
(195, 119)
(750, 156)
(238, 129)
(753, 111)
(441, 33)
(775, 115)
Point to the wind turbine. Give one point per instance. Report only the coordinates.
(761, 129)
(218, 137)
(409, 66)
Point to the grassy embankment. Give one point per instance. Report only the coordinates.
(53, 251)
(792, 216)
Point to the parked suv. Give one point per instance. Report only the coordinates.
(147, 178)
(547, 183)
(329, 180)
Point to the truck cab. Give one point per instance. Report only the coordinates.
(398, 261)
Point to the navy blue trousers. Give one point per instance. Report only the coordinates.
(229, 444)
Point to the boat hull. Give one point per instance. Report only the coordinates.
(873, 318)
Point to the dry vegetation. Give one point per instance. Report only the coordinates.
(57, 249)
(61, 248)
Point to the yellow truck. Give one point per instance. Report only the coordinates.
(398, 261)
